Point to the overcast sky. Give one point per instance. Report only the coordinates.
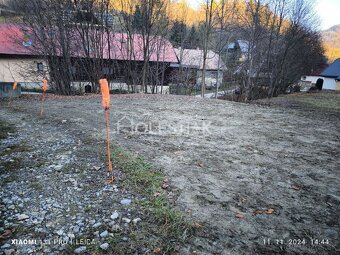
(328, 10)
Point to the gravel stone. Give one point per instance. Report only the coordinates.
(125, 201)
(104, 246)
(5, 246)
(136, 220)
(60, 232)
(114, 216)
(97, 225)
(104, 234)
(126, 220)
(9, 252)
(23, 217)
(80, 250)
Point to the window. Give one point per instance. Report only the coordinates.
(40, 67)
(73, 70)
(107, 70)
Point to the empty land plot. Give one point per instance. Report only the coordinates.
(259, 179)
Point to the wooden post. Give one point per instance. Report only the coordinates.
(104, 87)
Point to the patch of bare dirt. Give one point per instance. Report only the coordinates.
(260, 179)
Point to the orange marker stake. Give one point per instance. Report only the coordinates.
(104, 87)
(12, 91)
(43, 97)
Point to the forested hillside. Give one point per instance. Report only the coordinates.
(331, 38)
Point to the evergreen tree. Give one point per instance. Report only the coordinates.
(178, 33)
(193, 41)
(137, 21)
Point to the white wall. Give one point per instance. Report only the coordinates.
(121, 86)
(210, 78)
(22, 70)
(328, 83)
(312, 79)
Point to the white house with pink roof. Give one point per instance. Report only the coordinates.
(193, 59)
(21, 59)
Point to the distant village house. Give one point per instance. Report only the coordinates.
(328, 79)
(191, 60)
(21, 62)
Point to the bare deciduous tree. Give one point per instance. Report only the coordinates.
(207, 29)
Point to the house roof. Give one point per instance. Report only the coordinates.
(12, 40)
(244, 45)
(333, 70)
(16, 40)
(194, 58)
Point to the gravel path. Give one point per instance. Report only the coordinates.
(260, 180)
(54, 197)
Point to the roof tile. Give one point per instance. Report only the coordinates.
(13, 41)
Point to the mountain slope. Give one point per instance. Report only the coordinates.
(331, 38)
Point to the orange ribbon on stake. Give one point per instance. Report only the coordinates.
(104, 87)
(43, 97)
(13, 88)
(45, 86)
